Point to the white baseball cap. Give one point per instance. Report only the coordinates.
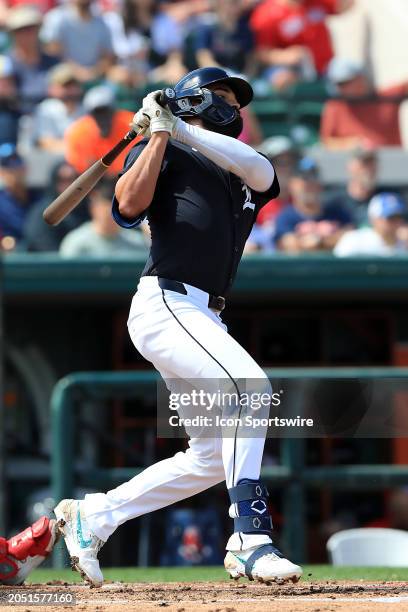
(98, 97)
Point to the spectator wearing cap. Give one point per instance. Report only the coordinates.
(284, 155)
(386, 213)
(102, 236)
(292, 38)
(15, 196)
(362, 184)
(77, 35)
(91, 136)
(355, 120)
(9, 109)
(30, 63)
(307, 224)
(55, 114)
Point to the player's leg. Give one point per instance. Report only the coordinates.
(194, 344)
(87, 524)
(182, 336)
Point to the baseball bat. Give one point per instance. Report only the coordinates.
(76, 192)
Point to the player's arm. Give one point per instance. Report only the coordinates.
(228, 153)
(135, 189)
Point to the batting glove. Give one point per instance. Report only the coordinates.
(141, 122)
(161, 119)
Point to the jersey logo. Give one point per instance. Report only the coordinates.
(248, 195)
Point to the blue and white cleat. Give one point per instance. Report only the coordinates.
(83, 545)
(263, 563)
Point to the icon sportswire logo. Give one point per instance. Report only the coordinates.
(82, 542)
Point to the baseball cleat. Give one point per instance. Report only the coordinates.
(264, 563)
(27, 550)
(83, 545)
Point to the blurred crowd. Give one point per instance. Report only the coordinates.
(362, 218)
(72, 73)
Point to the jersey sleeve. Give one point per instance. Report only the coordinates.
(129, 161)
(262, 198)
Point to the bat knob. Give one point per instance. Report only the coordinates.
(166, 96)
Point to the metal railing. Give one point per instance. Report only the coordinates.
(292, 473)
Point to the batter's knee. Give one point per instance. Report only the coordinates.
(205, 456)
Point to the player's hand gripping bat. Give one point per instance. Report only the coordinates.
(76, 192)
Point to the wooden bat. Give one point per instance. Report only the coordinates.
(75, 193)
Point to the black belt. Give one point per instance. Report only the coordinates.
(215, 302)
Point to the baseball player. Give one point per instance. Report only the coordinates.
(200, 189)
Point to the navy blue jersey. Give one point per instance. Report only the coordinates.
(200, 218)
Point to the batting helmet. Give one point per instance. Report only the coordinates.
(192, 98)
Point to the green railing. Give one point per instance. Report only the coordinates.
(46, 275)
(292, 473)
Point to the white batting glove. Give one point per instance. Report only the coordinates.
(161, 119)
(141, 122)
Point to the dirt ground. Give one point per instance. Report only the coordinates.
(328, 596)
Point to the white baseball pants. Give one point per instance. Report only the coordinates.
(183, 339)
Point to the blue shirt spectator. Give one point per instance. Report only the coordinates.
(79, 36)
(308, 224)
(9, 112)
(29, 63)
(15, 197)
(227, 41)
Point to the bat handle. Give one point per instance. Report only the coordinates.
(117, 149)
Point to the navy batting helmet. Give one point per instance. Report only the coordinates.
(192, 98)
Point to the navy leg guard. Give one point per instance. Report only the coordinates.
(251, 499)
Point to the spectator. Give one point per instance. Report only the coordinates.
(102, 236)
(37, 235)
(55, 114)
(386, 214)
(307, 224)
(284, 156)
(30, 63)
(227, 42)
(15, 197)
(9, 110)
(292, 38)
(362, 185)
(92, 135)
(77, 35)
(356, 120)
(130, 32)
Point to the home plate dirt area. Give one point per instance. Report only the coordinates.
(232, 596)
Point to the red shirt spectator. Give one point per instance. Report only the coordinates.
(43, 5)
(279, 24)
(349, 123)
